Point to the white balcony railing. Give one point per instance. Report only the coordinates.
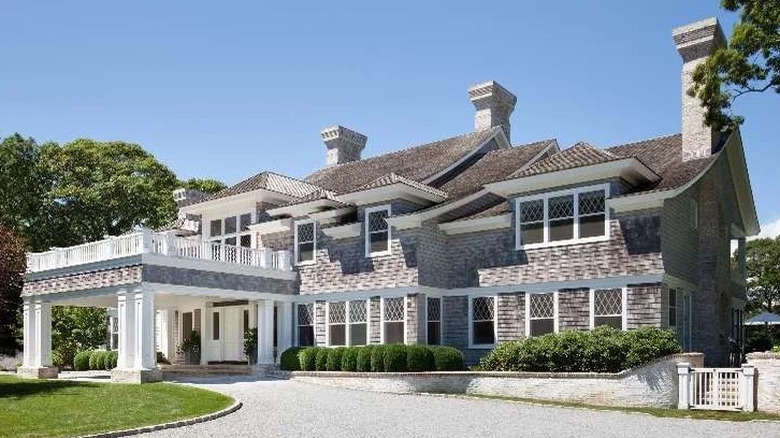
(157, 243)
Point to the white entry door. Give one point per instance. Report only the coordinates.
(233, 344)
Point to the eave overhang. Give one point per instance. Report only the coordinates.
(391, 192)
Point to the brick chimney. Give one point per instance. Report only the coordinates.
(344, 145)
(494, 105)
(695, 42)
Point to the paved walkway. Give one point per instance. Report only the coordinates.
(293, 409)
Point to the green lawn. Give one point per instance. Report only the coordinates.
(53, 408)
(656, 412)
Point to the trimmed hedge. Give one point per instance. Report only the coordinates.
(373, 358)
(290, 359)
(603, 349)
(81, 360)
(111, 359)
(97, 361)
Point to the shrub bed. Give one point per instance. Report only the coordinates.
(373, 358)
(95, 360)
(603, 349)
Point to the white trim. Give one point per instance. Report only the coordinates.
(274, 226)
(215, 266)
(575, 194)
(228, 202)
(471, 343)
(591, 308)
(623, 307)
(313, 261)
(480, 224)
(367, 240)
(556, 311)
(624, 304)
(604, 282)
(390, 192)
(304, 208)
(630, 169)
(440, 320)
(210, 293)
(390, 292)
(296, 325)
(324, 216)
(343, 231)
(348, 322)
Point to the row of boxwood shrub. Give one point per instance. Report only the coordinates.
(373, 358)
(603, 349)
(95, 360)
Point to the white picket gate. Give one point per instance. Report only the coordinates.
(718, 389)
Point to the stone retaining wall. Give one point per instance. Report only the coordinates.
(653, 385)
(768, 393)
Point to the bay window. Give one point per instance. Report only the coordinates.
(483, 321)
(566, 216)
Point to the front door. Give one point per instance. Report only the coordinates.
(233, 346)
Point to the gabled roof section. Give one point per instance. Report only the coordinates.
(495, 165)
(270, 181)
(415, 163)
(579, 155)
(316, 195)
(392, 178)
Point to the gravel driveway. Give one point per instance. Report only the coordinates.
(294, 409)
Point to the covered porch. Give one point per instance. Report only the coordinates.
(158, 298)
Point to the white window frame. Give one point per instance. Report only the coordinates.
(367, 240)
(314, 241)
(471, 322)
(545, 197)
(382, 317)
(348, 323)
(441, 319)
(556, 312)
(623, 307)
(313, 324)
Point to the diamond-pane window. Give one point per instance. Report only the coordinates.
(532, 211)
(434, 309)
(376, 221)
(305, 314)
(592, 203)
(561, 207)
(542, 305)
(483, 309)
(394, 309)
(377, 232)
(357, 311)
(358, 323)
(482, 321)
(304, 238)
(393, 325)
(337, 313)
(433, 313)
(305, 325)
(608, 308)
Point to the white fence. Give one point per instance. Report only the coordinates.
(719, 389)
(157, 243)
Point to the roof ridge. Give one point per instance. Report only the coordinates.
(633, 143)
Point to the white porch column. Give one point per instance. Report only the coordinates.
(42, 335)
(125, 310)
(284, 329)
(145, 357)
(206, 329)
(683, 385)
(28, 316)
(265, 332)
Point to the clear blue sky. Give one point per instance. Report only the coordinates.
(227, 89)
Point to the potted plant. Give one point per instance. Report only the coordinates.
(250, 345)
(190, 348)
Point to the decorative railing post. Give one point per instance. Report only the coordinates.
(747, 387)
(170, 245)
(683, 385)
(146, 240)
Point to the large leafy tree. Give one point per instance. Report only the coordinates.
(205, 185)
(12, 267)
(763, 272)
(101, 188)
(749, 64)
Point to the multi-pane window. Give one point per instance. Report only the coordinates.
(672, 308)
(305, 233)
(567, 216)
(483, 313)
(245, 220)
(608, 308)
(592, 210)
(216, 227)
(230, 225)
(377, 231)
(227, 231)
(358, 323)
(337, 323)
(305, 325)
(433, 312)
(561, 214)
(393, 316)
(532, 222)
(541, 314)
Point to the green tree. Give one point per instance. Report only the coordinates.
(763, 273)
(12, 267)
(749, 64)
(76, 329)
(205, 185)
(101, 188)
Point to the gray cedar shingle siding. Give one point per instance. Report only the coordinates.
(643, 305)
(375, 321)
(574, 309)
(128, 275)
(217, 280)
(511, 316)
(320, 324)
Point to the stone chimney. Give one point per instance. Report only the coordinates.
(494, 105)
(695, 42)
(344, 145)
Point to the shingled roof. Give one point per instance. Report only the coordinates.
(269, 181)
(416, 163)
(392, 178)
(581, 154)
